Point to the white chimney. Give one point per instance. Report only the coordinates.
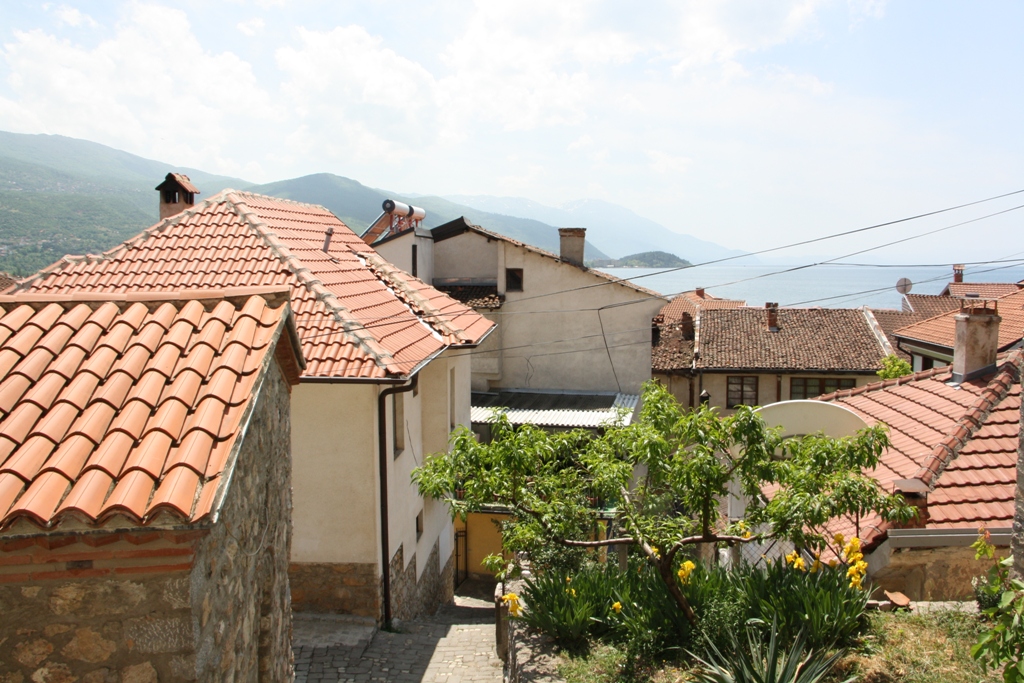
(571, 242)
(977, 339)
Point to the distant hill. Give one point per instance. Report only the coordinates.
(60, 196)
(612, 228)
(647, 259)
(359, 205)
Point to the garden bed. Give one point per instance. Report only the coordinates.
(898, 647)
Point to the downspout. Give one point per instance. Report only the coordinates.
(382, 450)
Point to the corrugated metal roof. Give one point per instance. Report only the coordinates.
(546, 409)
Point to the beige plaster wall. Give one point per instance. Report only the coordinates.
(334, 474)
(469, 255)
(399, 252)
(556, 341)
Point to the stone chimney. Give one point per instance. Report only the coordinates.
(699, 292)
(773, 315)
(977, 339)
(177, 193)
(571, 241)
(958, 272)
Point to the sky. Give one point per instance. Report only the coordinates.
(750, 124)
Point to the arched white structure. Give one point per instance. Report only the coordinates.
(809, 417)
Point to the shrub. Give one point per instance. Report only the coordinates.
(822, 603)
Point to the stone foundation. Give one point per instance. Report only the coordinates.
(343, 588)
(436, 586)
(932, 573)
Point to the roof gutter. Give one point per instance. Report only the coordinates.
(382, 452)
(944, 538)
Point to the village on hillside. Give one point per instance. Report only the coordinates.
(221, 432)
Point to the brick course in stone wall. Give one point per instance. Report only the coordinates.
(152, 606)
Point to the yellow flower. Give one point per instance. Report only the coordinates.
(654, 549)
(792, 557)
(746, 534)
(512, 600)
(571, 591)
(617, 606)
(568, 579)
(833, 563)
(685, 570)
(816, 566)
(839, 539)
(798, 563)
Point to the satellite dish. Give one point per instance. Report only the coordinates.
(904, 285)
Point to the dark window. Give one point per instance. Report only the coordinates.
(513, 279)
(415, 268)
(809, 387)
(398, 424)
(419, 525)
(742, 391)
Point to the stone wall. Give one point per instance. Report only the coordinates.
(436, 586)
(131, 629)
(932, 573)
(150, 605)
(241, 603)
(340, 588)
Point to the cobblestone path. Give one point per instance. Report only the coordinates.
(456, 645)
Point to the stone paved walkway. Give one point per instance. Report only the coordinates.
(456, 645)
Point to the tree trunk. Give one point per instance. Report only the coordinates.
(665, 569)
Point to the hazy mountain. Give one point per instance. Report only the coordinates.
(612, 228)
(60, 196)
(647, 259)
(359, 205)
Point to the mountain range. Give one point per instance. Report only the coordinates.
(61, 195)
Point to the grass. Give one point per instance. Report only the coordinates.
(899, 648)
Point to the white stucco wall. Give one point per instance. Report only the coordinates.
(334, 473)
(398, 251)
(555, 341)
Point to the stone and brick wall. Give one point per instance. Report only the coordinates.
(241, 604)
(339, 588)
(148, 606)
(436, 586)
(932, 573)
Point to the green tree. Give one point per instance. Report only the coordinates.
(664, 476)
(893, 366)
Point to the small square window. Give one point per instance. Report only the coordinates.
(742, 391)
(513, 279)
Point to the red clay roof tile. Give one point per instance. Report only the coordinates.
(941, 329)
(962, 440)
(117, 437)
(242, 239)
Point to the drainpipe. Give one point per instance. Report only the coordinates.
(382, 451)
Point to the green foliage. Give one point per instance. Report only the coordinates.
(1003, 644)
(758, 662)
(820, 604)
(662, 477)
(893, 366)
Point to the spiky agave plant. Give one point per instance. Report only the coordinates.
(755, 662)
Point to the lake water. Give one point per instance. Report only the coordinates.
(830, 285)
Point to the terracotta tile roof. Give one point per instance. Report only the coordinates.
(941, 330)
(986, 290)
(476, 296)
(929, 305)
(6, 281)
(673, 352)
(808, 339)
(889, 321)
(461, 225)
(181, 179)
(960, 440)
(692, 302)
(126, 408)
(358, 316)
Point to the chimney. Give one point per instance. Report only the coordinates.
(699, 292)
(177, 193)
(773, 315)
(571, 241)
(958, 272)
(977, 339)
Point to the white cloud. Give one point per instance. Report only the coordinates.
(71, 16)
(662, 162)
(252, 27)
(151, 88)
